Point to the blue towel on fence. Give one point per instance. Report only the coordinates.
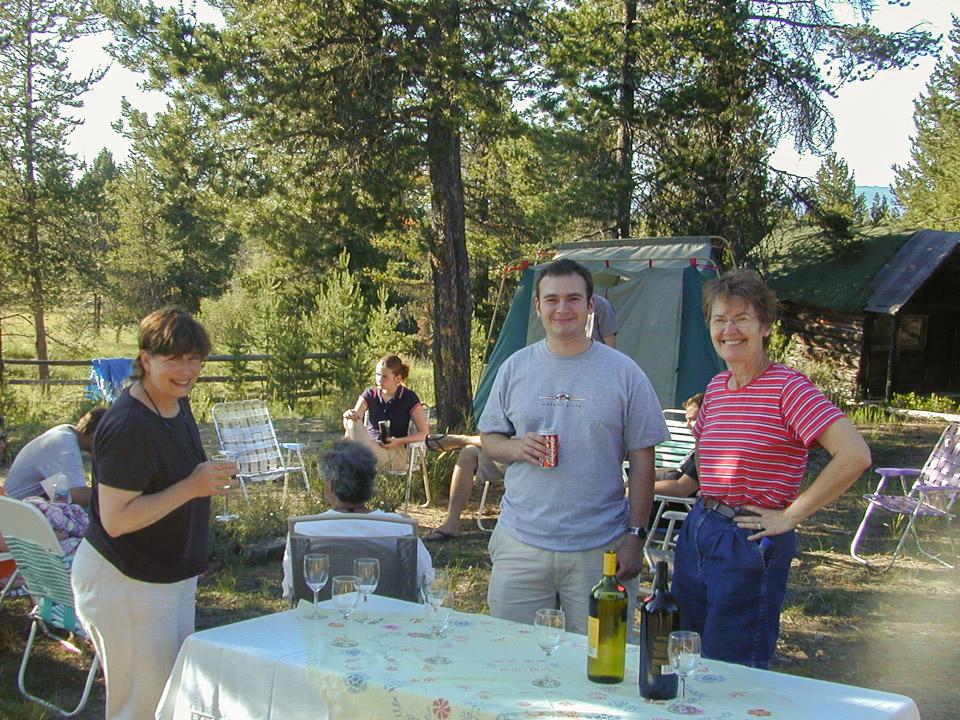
(108, 377)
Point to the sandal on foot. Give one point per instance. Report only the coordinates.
(439, 536)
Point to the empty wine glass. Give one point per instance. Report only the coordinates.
(367, 571)
(438, 606)
(316, 570)
(226, 456)
(346, 593)
(548, 627)
(683, 651)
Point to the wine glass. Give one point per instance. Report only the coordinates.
(367, 571)
(346, 592)
(683, 651)
(226, 456)
(548, 627)
(438, 606)
(316, 570)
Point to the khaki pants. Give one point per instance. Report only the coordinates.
(526, 579)
(137, 629)
(395, 460)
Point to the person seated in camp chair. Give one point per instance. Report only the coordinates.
(349, 475)
(57, 450)
(380, 420)
(472, 465)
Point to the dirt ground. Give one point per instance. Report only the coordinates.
(844, 623)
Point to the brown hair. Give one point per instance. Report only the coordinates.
(171, 331)
(747, 286)
(695, 400)
(87, 425)
(394, 364)
(561, 267)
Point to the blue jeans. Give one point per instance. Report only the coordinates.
(729, 590)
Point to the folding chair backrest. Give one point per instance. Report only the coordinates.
(23, 520)
(39, 559)
(245, 427)
(670, 453)
(397, 555)
(942, 468)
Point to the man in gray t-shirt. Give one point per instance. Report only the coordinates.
(555, 523)
(602, 324)
(57, 450)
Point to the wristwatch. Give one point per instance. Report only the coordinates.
(640, 532)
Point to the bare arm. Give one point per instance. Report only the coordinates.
(850, 456)
(419, 418)
(356, 414)
(503, 448)
(640, 480)
(610, 340)
(683, 486)
(124, 511)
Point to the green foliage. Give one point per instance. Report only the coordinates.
(382, 334)
(928, 188)
(834, 205)
(929, 403)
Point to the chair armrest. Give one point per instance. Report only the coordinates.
(887, 472)
(292, 446)
(931, 489)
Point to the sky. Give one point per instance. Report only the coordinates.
(874, 119)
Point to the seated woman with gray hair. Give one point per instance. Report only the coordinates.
(349, 473)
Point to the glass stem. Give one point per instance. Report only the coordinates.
(315, 604)
(546, 667)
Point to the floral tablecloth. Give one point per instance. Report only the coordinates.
(284, 666)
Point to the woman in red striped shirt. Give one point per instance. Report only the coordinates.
(757, 422)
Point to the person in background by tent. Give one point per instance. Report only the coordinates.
(602, 325)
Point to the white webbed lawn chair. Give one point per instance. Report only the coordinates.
(933, 494)
(46, 575)
(245, 430)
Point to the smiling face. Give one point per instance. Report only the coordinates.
(737, 332)
(385, 379)
(563, 307)
(170, 377)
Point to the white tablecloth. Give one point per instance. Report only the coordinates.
(283, 667)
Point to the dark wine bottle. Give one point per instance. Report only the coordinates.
(659, 616)
(607, 626)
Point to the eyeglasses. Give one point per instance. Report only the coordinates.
(740, 322)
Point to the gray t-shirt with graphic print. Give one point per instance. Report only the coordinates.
(602, 406)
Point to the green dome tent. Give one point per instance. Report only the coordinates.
(655, 287)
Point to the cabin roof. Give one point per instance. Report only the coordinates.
(880, 276)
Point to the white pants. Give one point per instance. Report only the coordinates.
(527, 578)
(136, 627)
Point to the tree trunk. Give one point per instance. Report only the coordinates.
(624, 202)
(450, 269)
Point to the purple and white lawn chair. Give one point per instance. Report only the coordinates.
(933, 494)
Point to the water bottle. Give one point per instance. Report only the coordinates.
(61, 489)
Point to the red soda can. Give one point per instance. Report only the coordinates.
(553, 447)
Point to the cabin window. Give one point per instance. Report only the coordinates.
(913, 331)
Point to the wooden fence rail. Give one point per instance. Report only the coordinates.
(202, 378)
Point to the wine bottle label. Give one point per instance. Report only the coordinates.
(593, 636)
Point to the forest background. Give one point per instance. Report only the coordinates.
(334, 177)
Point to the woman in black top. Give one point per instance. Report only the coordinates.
(135, 574)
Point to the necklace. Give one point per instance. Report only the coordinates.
(156, 409)
(352, 509)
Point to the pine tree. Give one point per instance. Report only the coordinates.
(39, 207)
(928, 188)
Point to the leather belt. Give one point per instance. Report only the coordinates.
(718, 507)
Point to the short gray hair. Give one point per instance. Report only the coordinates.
(352, 469)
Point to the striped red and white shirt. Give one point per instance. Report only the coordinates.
(754, 440)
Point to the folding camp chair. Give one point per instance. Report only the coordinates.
(416, 458)
(933, 494)
(394, 545)
(662, 541)
(39, 558)
(245, 428)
